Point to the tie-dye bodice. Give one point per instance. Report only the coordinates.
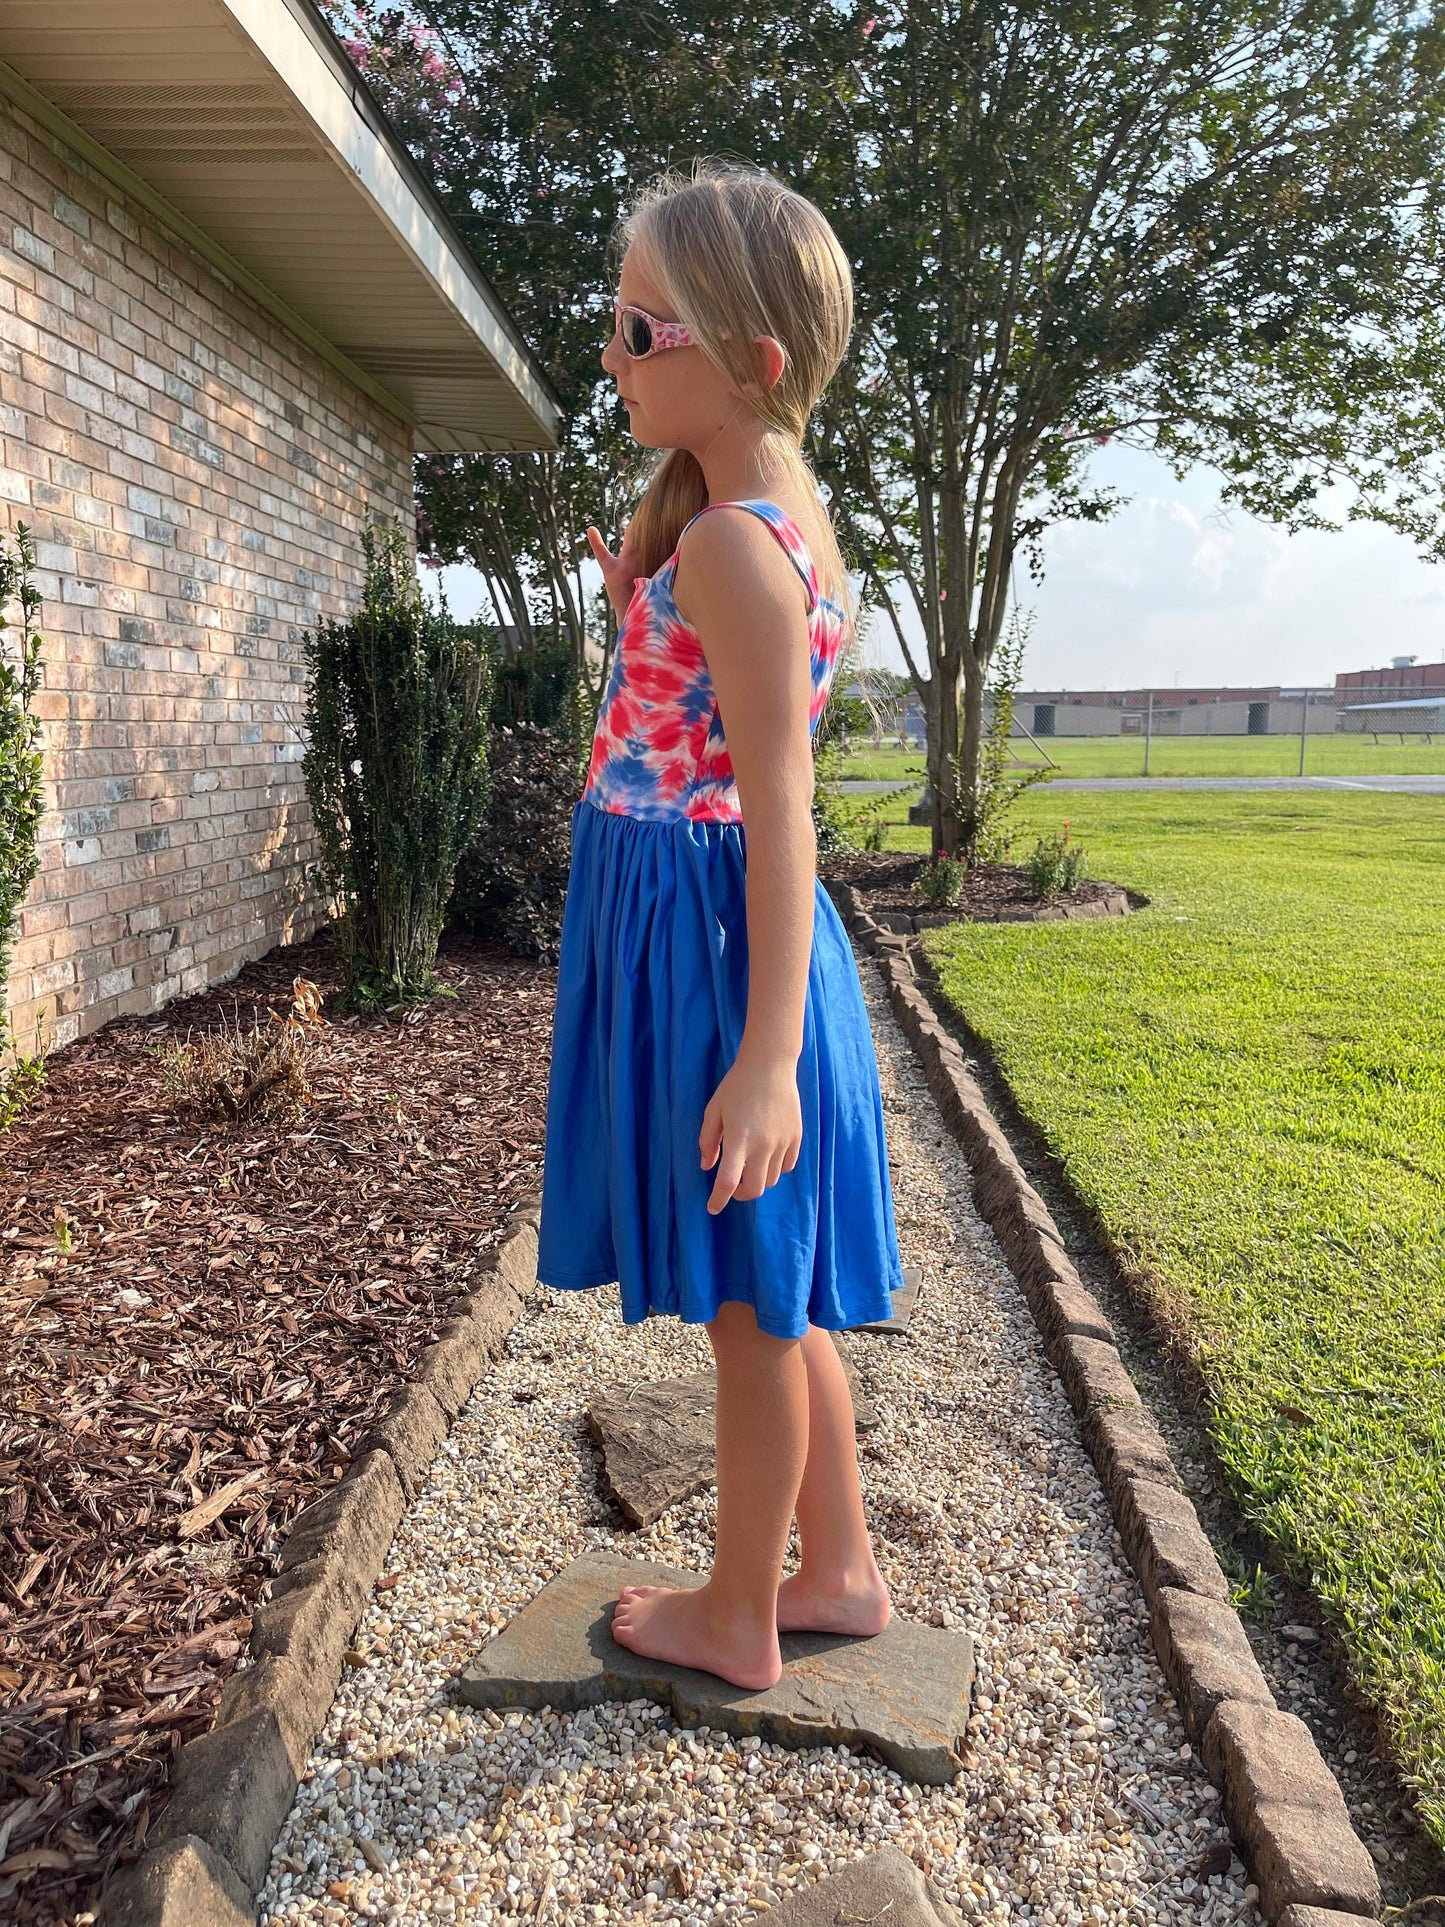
(658, 751)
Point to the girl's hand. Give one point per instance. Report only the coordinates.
(620, 571)
(755, 1118)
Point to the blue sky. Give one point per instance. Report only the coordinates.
(1175, 591)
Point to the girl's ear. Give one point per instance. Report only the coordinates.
(771, 361)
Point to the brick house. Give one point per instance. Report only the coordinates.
(230, 311)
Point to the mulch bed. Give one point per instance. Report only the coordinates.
(887, 880)
(200, 1320)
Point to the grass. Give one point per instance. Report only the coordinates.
(1192, 756)
(1246, 1081)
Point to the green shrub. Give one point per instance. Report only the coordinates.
(981, 822)
(834, 821)
(941, 878)
(395, 770)
(531, 687)
(20, 790)
(512, 880)
(1056, 864)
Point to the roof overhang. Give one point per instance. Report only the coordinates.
(242, 125)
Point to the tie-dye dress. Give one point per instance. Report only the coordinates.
(651, 1000)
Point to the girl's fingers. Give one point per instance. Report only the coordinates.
(709, 1138)
(745, 1175)
(599, 548)
(729, 1177)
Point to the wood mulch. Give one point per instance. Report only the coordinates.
(887, 880)
(200, 1320)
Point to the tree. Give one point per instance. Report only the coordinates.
(1209, 229)
(534, 124)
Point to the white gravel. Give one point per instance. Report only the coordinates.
(1079, 1801)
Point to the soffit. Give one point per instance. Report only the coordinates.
(246, 118)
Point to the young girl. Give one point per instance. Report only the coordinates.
(709, 1014)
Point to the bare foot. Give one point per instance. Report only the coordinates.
(679, 1626)
(804, 1607)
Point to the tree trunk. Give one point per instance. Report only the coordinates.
(943, 748)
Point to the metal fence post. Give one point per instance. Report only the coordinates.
(1148, 730)
(1304, 725)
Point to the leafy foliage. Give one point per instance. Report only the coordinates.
(993, 792)
(535, 124)
(531, 686)
(512, 882)
(842, 715)
(1210, 230)
(395, 770)
(21, 799)
(940, 878)
(1055, 863)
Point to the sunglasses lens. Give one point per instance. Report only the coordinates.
(636, 335)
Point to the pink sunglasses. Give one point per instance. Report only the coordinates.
(643, 334)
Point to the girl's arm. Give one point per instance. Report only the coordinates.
(737, 588)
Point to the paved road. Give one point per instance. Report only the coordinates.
(1403, 785)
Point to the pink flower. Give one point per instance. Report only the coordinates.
(868, 26)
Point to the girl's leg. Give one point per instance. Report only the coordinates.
(730, 1625)
(837, 1587)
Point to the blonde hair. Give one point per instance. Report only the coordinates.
(738, 254)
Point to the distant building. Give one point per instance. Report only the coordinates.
(1409, 716)
(1231, 711)
(1406, 676)
(1407, 699)
(900, 715)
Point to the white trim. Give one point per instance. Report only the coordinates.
(279, 39)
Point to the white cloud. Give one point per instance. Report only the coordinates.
(1174, 588)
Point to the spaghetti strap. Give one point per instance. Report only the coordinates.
(789, 535)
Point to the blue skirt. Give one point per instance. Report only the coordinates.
(652, 991)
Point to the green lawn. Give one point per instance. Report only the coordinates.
(1193, 756)
(1247, 1082)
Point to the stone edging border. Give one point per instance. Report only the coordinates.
(1282, 1803)
(232, 1786)
(1114, 904)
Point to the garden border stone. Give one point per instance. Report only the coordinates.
(206, 1858)
(1283, 1804)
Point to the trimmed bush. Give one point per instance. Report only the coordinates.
(21, 801)
(395, 771)
(512, 882)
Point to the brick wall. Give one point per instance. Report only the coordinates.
(195, 478)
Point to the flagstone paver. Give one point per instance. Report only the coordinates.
(658, 1439)
(904, 1692)
(884, 1889)
(904, 1302)
(1080, 1803)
